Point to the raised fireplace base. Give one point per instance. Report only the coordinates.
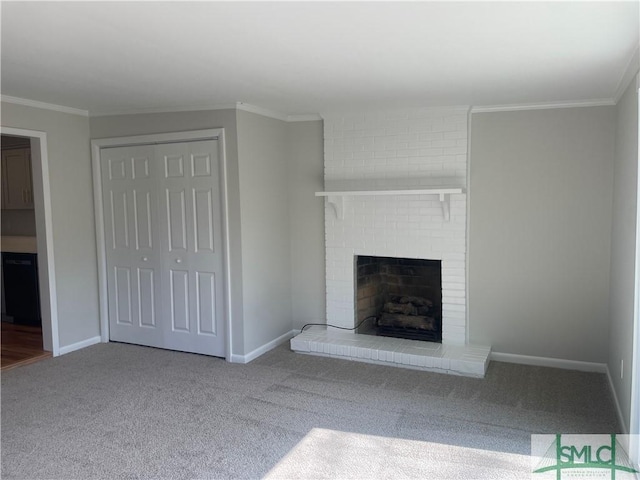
(467, 360)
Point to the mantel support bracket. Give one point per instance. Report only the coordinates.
(444, 203)
(337, 202)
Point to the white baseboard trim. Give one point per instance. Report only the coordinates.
(79, 345)
(615, 400)
(263, 349)
(549, 362)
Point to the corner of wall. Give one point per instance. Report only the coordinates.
(623, 297)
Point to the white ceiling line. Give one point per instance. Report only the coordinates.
(43, 105)
(543, 106)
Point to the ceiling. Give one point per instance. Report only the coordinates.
(313, 57)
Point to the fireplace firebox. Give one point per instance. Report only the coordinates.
(399, 297)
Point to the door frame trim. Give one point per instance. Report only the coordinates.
(44, 235)
(96, 146)
(634, 371)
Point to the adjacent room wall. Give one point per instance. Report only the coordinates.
(18, 222)
(305, 177)
(144, 124)
(541, 189)
(623, 248)
(73, 218)
(266, 245)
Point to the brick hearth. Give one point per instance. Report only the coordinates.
(434, 357)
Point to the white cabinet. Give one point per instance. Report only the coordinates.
(17, 187)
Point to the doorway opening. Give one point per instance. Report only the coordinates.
(29, 320)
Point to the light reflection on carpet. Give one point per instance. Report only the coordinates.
(324, 453)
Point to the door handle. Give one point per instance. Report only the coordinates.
(145, 259)
(17, 262)
(178, 260)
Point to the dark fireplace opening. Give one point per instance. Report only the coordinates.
(403, 295)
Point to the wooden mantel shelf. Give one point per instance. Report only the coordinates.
(336, 196)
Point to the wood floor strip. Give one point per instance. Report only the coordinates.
(21, 345)
(26, 361)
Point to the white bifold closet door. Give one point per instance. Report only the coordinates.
(163, 227)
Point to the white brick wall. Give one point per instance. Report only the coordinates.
(411, 146)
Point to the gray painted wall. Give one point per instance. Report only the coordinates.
(144, 124)
(541, 197)
(623, 248)
(73, 219)
(266, 246)
(541, 189)
(306, 176)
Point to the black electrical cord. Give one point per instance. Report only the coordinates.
(335, 326)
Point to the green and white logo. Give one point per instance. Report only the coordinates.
(581, 457)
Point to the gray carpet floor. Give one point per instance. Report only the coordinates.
(123, 411)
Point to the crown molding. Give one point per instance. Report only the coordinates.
(308, 117)
(43, 105)
(630, 72)
(633, 65)
(439, 110)
(600, 102)
(265, 112)
(246, 107)
(143, 111)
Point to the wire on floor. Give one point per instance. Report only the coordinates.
(335, 326)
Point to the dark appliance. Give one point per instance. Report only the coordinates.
(21, 292)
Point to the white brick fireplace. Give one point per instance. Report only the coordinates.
(385, 150)
(395, 184)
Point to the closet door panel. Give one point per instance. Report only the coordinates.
(132, 252)
(192, 225)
